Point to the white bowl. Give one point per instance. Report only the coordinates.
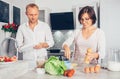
(113, 66)
(40, 70)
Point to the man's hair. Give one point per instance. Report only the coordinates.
(32, 5)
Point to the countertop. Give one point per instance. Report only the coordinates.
(11, 70)
(79, 74)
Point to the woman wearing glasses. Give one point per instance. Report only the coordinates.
(89, 36)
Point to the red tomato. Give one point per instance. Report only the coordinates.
(1, 58)
(65, 73)
(71, 72)
(14, 58)
(7, 59)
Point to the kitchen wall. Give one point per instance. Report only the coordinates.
(60, 37)
(61, 5)
(109, 21)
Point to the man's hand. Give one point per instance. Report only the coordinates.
(41, 45)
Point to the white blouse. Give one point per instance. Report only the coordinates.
(41, 33)
(96, 41)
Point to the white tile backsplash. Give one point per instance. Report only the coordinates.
(60, 36)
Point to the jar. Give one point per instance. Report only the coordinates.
(41, 61)
(113, 59)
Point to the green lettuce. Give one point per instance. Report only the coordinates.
(54, 66)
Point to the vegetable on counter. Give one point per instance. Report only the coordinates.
(54, 66)
(97, 68)
(86, 70)
(8, 59)
(92, 69)
(69, 73)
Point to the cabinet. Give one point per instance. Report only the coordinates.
(44, 15)
(77, 8)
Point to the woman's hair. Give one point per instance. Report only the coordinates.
(32, 5)
(90, 11)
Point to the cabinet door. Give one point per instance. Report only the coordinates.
(44, 15)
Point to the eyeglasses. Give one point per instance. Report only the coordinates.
(84, 19)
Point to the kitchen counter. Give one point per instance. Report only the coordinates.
(11, 70)
(79, 74)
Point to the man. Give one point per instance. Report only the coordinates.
(34, 36)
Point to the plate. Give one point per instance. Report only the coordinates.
(5, 63)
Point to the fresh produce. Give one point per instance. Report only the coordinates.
(97, 68)
(92, 69)
(2, 59)
(69, 73)
(86, 70)
(86, 60)
(65, 72)
(54, 66)
(8, 59)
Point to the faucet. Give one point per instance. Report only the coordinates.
(16, 44)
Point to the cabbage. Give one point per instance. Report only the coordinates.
(54, 66)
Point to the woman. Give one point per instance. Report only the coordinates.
(89, 36)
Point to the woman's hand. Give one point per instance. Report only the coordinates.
(67, 52)
(92, 56)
